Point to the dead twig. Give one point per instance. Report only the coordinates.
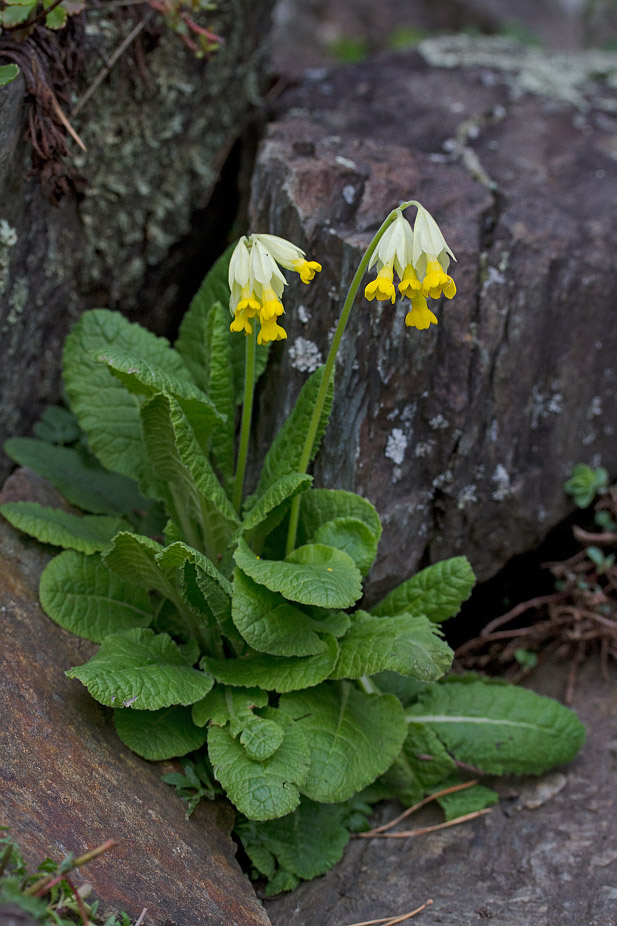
(421, 831)
(391, 920)
(427, 800)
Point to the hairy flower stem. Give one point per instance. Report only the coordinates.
(247, 412)
(329, 369)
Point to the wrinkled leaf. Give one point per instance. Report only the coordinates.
(313, 575)
(83, 596)
(437, 591)
(142, 670)
(87, 534)
(159, 735)
(499, 729)
(405, 644)
(261, 790)
(353, 737)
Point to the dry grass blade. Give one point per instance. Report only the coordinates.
(410, 810)
(408, 834)
(391, 920)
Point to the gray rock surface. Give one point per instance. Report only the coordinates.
(155, 151)
(68, 784)
(314, 33)
(461, 435)
(546, 855)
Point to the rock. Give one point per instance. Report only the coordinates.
(462, 435)
(318, 33)
(553, 864)
(155, 151)
(68, 783)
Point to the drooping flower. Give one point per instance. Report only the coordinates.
(270, 331)
(420, 258)
(257, 283)
(420, 316)
(290, 256)
(393, 253)
(431, 256)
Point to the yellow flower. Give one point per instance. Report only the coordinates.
(420, 315)
(410, 285)
(420, 258)
(381, 287)
(393, 253)
(431, 256)
(437, 282)
(290, 256)
(257, 284)
(270, 331)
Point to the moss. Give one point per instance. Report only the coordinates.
(8, 239)
(569, 78)
(154, 151)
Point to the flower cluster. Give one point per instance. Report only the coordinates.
(420, 258)
(257, 283)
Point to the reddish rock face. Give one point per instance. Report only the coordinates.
(462, 435)
(68, 783)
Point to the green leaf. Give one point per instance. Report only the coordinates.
(307, 842)
(142, 670)
(353, 737)
(83, 596)
(194, 342)
(437, 591)
(470, 800)
(274, 673)
(284, 454)
(353, 537)
(185, 480)
(314, 575)
(215, 590)
(270, 624)
(16, 15)
(261, 790)
(273, 505)
(158, 735)
(57, 425)
(78, 476)
(500, 729)
(259, 736)
(406, 689)
(8, 72)
(422, 766)
(405, 644)
(584, 483)
(221, 389)
(143, 379)
(133, 558)
(56, 18)
(105, 409)
(322, 505)
(224, 704)
(88, 534)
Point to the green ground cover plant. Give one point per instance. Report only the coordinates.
(231, 628)
(49, 894)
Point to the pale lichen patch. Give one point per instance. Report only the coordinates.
(305, 355)
(396, 445)
(503, 487)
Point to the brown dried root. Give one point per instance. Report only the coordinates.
(48, 63)
(578, 619)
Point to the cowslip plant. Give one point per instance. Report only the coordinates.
(232, 627)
